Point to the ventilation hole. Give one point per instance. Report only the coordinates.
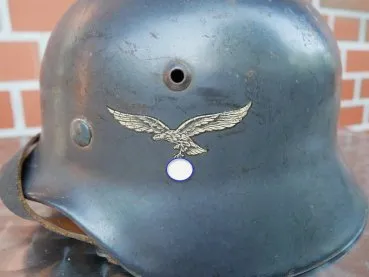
(177, 76)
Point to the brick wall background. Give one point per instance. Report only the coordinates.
(25, 27)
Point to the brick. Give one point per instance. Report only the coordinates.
(19, 61)
(8, 147)
(32, 108)
(357, 5)
(6, 114)
(365, 89)
(351, 116)
(357, 61)
(346, 28)
(347, 89)
(37, 15)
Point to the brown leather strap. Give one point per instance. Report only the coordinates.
(11, 193)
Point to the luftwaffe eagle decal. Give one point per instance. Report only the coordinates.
(181, 137)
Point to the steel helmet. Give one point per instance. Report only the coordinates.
(192, 138)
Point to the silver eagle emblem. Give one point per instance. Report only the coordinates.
(182, 136)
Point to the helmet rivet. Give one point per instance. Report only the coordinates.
(177, 76)
(80, 132)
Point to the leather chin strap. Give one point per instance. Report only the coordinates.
(11, 192)
(12, 195)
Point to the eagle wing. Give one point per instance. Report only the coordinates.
(213, 122)
(139, 123)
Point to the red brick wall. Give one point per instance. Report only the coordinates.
(25, 27)
(349, 20)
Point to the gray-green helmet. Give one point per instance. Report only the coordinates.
(192, 138)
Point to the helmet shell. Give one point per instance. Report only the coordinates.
(269, 196)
